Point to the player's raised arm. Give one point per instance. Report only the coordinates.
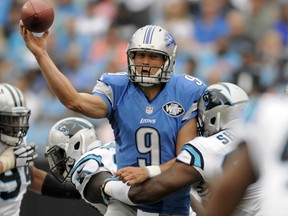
(83, 103)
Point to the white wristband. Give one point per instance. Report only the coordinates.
(7, 159)
(153, 170)
(119, 191)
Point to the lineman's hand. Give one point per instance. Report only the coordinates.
(132, 175)
(36, 44)
(17, 157)
(24, 155)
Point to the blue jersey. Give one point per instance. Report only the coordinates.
(146, 131)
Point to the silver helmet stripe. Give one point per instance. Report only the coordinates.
(15, 95)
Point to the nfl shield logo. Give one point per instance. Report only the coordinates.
(149, 110)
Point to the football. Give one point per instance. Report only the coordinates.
(37, 15)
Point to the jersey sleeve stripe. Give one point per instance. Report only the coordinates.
(98, 159)
(196, 156)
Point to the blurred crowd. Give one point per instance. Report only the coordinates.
(240, 41)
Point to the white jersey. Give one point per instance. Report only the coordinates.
(207, 155)
(13, 186)
(266, 133)
(101, 159)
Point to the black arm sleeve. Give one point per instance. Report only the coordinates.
(51, 187)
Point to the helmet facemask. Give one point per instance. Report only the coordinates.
(143, 75)
(14, 125)
(60, 165)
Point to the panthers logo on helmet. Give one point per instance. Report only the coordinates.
(70, 127)
(213, 98)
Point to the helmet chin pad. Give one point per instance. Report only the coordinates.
(146, 84)
(11, 141)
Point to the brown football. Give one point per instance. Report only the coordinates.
(37, 15)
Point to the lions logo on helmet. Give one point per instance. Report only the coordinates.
(168, 38)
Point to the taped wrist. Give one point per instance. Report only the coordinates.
(119, 191)
(153, 170)
(51, 187)
(7, 159)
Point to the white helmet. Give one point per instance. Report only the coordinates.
(68, 140)
(153, 39)
(14, 115)
(286, 91)
(219, 107)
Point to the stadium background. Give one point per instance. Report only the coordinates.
(245, 43)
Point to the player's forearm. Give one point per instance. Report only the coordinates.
(118, 190)
(148, 192)
(132, 195)
(92, 190)
(37, 178)
(51, 187)
(58, 83)
(166, 165)
(45, 184)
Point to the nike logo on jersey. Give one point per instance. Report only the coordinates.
(173, 109)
